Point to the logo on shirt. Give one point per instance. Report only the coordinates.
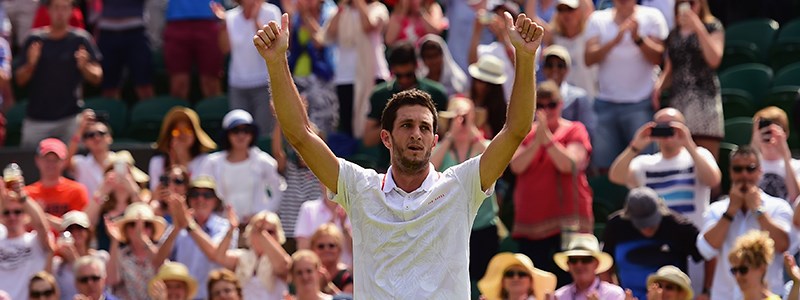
(436, 199)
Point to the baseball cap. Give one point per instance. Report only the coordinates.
(571, 3)
(235, 118)
(557, 51)
(52, 145)
(643, 207)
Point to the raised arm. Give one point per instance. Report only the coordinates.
(272, 43)
(526, 36)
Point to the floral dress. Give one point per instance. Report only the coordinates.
(695, 89)
(135, 274)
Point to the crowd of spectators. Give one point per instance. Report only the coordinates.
(627, 89)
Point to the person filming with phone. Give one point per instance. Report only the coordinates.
(770, 131)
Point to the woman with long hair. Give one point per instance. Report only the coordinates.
(694, 51)
(512, 276)
(119, 189)
(306, 275)
(181, 141)
(223, 285)
(328, 244)
(488, 95)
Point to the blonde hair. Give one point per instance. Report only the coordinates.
(556, 24)
(269, 217)
(548, 89)
(223, 275)
(328, 229)
(774, 114)
(46, 277)
(755, 249)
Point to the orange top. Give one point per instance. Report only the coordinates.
(57, 200)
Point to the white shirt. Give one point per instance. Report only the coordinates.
(247, 69)
(256, 289)
(773, 181)
(411, 245)
(666, 7)
(347, 57)
(88, 172)
(314, 214)
(625, 76)
(675, 180)
(156, 168)
(724, 286)
(20, 258)
(579, 75)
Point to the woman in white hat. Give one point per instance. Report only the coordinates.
(512, 276)
(749, 257)
(263, 269)
(669, 283)
(584, 260)
(487, 92)
(133, 265)
(73, 243)
(172, 282)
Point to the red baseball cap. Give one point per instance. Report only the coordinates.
(52, 145)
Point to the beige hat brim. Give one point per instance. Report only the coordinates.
(604, 259)
(159, 226)
(491, 285)
(175, 114)
(191, 283)
(476, 72)
(655, 277)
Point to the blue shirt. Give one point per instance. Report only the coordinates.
(190, 10)
(188, 253)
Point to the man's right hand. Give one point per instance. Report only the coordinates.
(736, 197)
(34, 52)
(272, 41)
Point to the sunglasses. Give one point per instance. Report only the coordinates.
(205, 194)
(9, 212)
(178, 131)
(328, 245)
(741, 270)
(668, 286)
(86, 279)
(573, 260)
(749, 168)
(147, 225)
(45, 293)
(94, 134)
(512, 273)
(241, 129)
(564, 8)
(551, 105)
(560, 65)
(405, 75)
(165, 180)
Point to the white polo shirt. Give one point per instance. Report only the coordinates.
(411, 245)
(724, 286)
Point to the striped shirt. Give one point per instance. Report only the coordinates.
(301, 186)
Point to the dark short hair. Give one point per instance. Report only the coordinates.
(407, 98)
(402, 53)
(745, 150)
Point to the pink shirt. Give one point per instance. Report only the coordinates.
(604, 290)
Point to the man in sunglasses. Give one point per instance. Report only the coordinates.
(645, 236)
(403, 65)
(577, 104)
(747, 208)
(22, 253)
(55, 193)
(90, 279)
(95, 135)
(194, 237)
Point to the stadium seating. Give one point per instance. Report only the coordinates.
(738, 131)
(146, 117)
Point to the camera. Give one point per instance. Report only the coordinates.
(662, 130)
(763, 127)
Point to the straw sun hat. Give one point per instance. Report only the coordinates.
(491, 285)
(673, 275)
(584, 245)
(183, 114)
(137, 210)
(175, 271)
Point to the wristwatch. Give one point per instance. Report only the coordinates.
(760, 211)
(638, 41)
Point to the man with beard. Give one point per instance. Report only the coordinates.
(411, 226)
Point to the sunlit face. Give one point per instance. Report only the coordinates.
(13, 215)
(745, 169)
(224, 290)
(60, 12)
(97, 137)
(49, 165)
(568, 17)
(40, 289)
(176, 289)
(182, 135)
(582, 268)
(130, 230)
(80, 234)
(551, 107)
(517, 280)
(203, 201)
(671, 291)
(305, 275)
(177, 182)
(90, 281)
(405, 75)
(240, 137)
(432, 56)
(328, 249)
(412, 139)
(747, 276)
(555, 69)
(465, 112)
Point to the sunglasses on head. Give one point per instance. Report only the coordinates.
(241, 129)
(551, 105)
(328, 245)
(93, 134)
(741, 270)
(517, 273)
(178, 131)
(165, 180)
(86, 279)
(668, 286)
(15, 212)
(749, 168)
(197, 193)
(45, 293)
(560, 65)
(580, 259)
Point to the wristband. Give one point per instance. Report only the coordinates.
(727, 216)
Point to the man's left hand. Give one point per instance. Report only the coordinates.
(81, 57)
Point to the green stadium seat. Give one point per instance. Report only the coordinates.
(753, 78)
(788, 75)
(265, 144)
(146, 117)
(14, 118)
(608, 198)
(738, 53)
(737, 103)
(211, 112)
(738, 131)
(761, 32)
(724, 163)
(790, 32)
(114, 110)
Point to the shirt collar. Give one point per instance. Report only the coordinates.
(388, 183)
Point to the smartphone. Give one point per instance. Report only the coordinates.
(662, 130)
(101, 117)
(684, 7)
(164, 180)
(766, 135)
(120, 168)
